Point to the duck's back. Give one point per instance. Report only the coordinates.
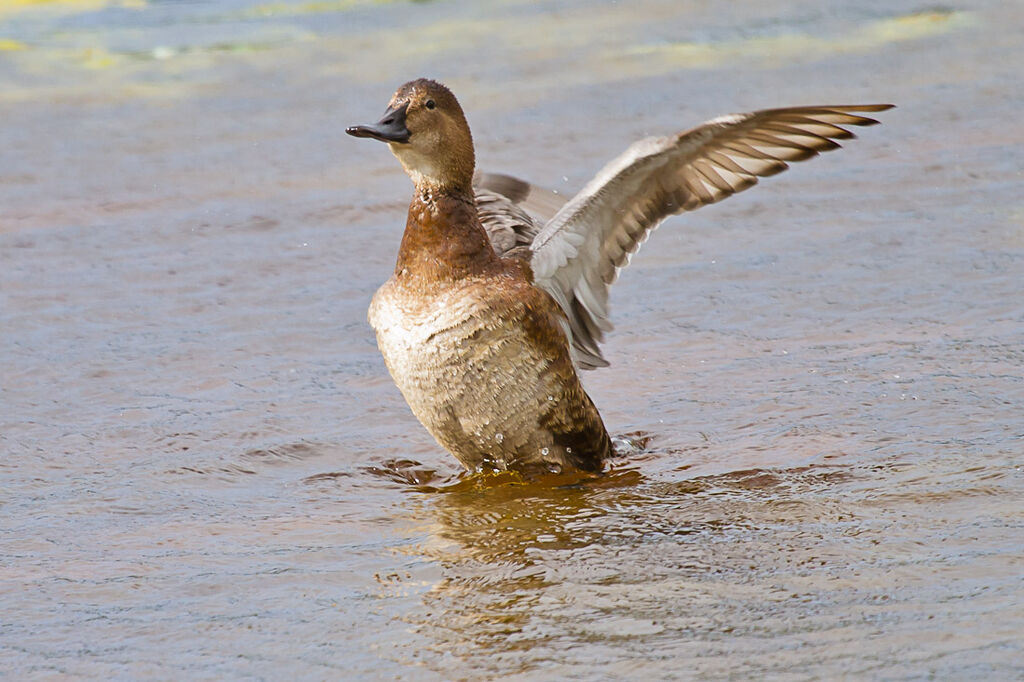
(484, 364)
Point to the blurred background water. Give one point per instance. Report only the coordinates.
(206, 472)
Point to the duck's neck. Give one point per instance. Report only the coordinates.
(443, 240)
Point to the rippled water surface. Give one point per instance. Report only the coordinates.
(206, 472)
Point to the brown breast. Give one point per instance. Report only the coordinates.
(479, 353)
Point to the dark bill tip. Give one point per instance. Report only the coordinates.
(374, 132)
(391, 128)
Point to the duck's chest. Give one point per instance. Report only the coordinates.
(464, 362)
(422, 331)
(447, 348)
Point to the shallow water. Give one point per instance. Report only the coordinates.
(208, 474)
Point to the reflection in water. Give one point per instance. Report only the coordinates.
(778, 565)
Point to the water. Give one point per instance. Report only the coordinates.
(208, 474)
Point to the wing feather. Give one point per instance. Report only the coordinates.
(513, 211)
(580, 250)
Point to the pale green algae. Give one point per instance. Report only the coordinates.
(772, 50)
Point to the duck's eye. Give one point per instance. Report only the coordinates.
(430, 104)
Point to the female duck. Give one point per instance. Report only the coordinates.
(500, 291)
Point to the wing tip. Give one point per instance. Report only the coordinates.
(866, 107)
(865, 121)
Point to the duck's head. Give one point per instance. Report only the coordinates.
(425, 128)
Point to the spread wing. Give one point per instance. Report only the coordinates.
(513, 211)
(579, 252)
(541, 203)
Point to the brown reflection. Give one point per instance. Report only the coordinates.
(595, 571)
(508, 546)
(500, 518)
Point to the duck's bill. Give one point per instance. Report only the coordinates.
(391, 128)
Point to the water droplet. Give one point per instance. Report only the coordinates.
(551, 397)
(499, 437)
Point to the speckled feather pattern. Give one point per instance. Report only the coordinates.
(481, 355)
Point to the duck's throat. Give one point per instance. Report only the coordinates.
(443, 238)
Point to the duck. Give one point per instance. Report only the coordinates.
(499, 294)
